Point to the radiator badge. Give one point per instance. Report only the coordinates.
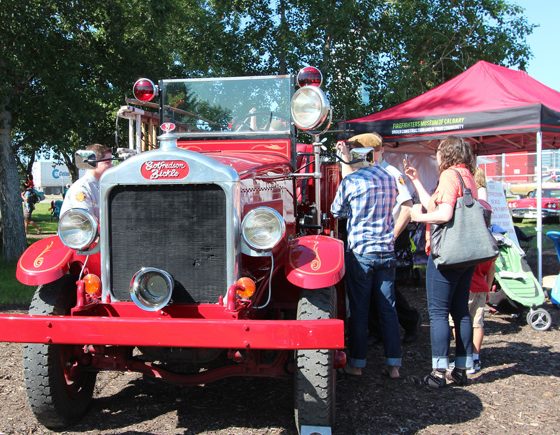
(164, 169)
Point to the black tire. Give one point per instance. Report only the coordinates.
(56, 399)
(315, 376)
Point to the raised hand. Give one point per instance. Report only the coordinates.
(410, 171)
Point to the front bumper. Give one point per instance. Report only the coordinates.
(173, 332)
(531, 213)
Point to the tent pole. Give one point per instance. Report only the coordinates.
(539, 204)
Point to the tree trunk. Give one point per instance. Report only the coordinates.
(31, 161)
(72, 168)
(282, 36)
(13, 233)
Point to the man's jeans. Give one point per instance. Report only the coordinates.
(448, 293)
(372, 276)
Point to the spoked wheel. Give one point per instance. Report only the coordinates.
(315, 376)
(59, 388)
(539, 319)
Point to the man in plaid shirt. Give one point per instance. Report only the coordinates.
(366, 197)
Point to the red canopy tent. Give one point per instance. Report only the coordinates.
(498, 109)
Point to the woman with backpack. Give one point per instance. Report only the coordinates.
(29, 198)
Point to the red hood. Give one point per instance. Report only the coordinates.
(245, 163)
(532, 202)
(245, 156)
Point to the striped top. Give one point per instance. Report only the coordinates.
(366, 198)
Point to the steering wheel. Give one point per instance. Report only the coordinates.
(246, 123)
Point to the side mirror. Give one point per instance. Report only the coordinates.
(85, 159)
(360, 154)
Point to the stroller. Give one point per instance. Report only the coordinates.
(518, 287)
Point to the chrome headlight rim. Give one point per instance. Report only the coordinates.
(281, 229)
(87, 218)
(135, 288)
(321, 114)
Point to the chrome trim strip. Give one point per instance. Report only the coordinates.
(227, 134)
(216, 79)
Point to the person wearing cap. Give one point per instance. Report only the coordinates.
(409, 317)
(84, 193)
(366, 197)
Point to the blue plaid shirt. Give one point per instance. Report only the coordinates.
(367, 197)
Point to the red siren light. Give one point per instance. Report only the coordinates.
(144, 90)
(309, 76)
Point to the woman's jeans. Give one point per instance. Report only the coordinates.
(370, 276)
(448, 294)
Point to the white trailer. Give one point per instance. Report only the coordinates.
(50, 177)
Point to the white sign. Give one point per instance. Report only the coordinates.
(501, 215)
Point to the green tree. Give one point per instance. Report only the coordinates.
(67, 66)
(376, 53)
(427, 42)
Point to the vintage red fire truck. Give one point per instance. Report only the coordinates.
(214, 255)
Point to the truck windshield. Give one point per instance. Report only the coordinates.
(228, 106)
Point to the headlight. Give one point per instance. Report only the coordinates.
(310, 107)
(151, 288)
(263, 228)
(77, 228)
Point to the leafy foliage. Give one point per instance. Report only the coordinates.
(373, 53)
(428, 42)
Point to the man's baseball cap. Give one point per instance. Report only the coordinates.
(366, 140)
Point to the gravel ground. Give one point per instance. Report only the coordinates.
(516, 392)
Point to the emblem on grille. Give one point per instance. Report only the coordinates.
(164, 169)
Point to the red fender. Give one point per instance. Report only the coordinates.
(315, 262)
(48, 259)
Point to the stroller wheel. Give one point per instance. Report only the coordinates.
(539, 319)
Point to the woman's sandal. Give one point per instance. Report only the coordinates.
(458, 377)
(434, 380)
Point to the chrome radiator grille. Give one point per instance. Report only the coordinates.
(178, 228)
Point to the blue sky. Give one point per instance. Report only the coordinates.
(545, 63)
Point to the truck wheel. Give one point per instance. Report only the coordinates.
(59, 390)
(315, 376)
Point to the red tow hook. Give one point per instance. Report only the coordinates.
(80, 293)
(230, 298)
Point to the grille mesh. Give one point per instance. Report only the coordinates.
(178, 228)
